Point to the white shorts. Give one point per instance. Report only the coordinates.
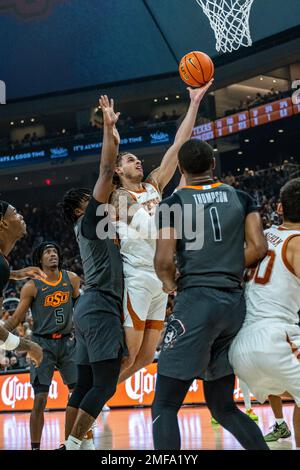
(266, 355)
(144, 304)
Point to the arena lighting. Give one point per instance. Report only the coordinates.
(32, 119)
(271, 141)
(166, 98)
(16, 178)
(48, 181)
(63, 131)
(247, 140)
(261, 79)
(240, 153)
(155, 100)
(22, 122)
(12, 123)
(177, 97)
(281, 131)
(215, 149)
(274, 81)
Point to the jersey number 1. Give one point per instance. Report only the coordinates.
(214, 216)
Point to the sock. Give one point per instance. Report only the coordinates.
(72, 443)
(279, 421)
(35, 445)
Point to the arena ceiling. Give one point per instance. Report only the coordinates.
(50, 46)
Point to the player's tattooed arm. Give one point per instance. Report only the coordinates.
(163, 174)
(124, 204)
(33, 349)
(27, 295)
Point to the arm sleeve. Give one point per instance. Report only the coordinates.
(164, 216)
(248, 203)
(91, 219)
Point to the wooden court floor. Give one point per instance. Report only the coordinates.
(131, 429)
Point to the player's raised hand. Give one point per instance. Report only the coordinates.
(197, 94)
(110, 117)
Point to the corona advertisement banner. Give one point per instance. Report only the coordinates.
(16, 393)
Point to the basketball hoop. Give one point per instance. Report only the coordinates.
(230, 21)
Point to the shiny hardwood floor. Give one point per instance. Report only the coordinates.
(131, 429)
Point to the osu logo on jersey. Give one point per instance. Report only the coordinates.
(28, 8)
(57, 299)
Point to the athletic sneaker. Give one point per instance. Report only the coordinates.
(251, 414)
(106, 408)
(214, 421)
(280, 431)
(87, 444)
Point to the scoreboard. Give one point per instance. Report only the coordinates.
(238, 122)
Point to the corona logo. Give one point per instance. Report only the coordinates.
(57, 299)
(28, 8)
(13, 390)
(143, 382)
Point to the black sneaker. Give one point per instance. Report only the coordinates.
(61, 447)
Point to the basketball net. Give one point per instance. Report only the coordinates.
(230, 21)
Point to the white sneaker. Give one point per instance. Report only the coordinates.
(87, 444)
(106, 408)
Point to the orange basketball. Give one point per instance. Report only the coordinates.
(196, 68)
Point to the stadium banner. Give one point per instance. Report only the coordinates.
(16, 393)
(87, 146)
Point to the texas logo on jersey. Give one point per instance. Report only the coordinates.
(56, 299)
(28, 8)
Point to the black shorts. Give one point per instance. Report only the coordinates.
(197, 339)
(98, 329)
(57, 353)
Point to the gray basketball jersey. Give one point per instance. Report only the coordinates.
(219, 259)
(102, 264)
(52, 308)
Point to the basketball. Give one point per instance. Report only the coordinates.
(196, 69)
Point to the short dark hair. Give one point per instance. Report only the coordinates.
(39, 251)
(71, 201)
(290, 200)
(195, 157)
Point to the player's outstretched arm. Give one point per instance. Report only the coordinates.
(27, 295)
(110, 148)
(163, 174)
(10, 342)
(256, 243)
(31, 272)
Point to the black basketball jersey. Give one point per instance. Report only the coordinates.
(211, 222)
(52, 308)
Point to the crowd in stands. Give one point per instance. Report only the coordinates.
(45, 223)
(258, 100)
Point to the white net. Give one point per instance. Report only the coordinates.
(230, 21)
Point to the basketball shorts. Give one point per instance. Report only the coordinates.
(266, 355)
(98, 328)
(57, 353)
(204, 322)
(145, 303)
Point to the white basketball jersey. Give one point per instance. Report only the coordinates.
(138, 239)
(273, 290)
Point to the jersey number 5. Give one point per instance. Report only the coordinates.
(59, 316)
